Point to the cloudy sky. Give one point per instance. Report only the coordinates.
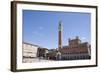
(41, 27)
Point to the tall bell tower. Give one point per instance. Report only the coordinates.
(59, 36)
(58, 56)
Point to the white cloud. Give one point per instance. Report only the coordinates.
(83, 38)
(38, 34)
(40, 28)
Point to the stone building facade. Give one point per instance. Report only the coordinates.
(42, 53)
(29, 51)
(76, 49)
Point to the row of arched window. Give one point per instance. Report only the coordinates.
(85, 52)
(75, 57)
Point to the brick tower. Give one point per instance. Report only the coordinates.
(59, 36)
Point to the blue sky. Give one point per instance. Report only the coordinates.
(41, 27)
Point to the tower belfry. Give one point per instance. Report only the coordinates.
(59, 36)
